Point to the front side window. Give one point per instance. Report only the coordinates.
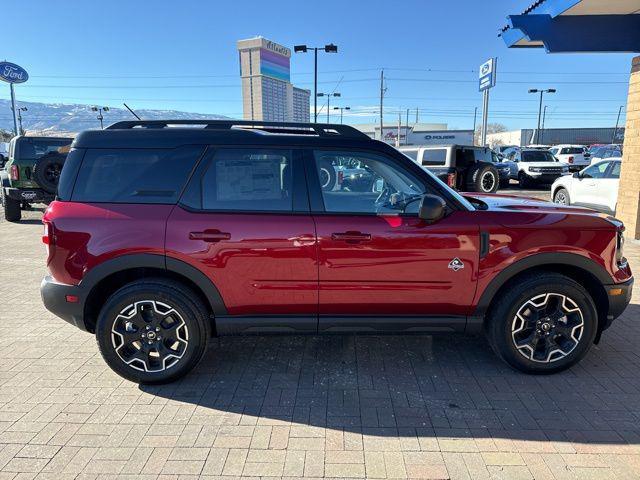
(615, 170)
(595, 171)
(249, 180)
(370, 184)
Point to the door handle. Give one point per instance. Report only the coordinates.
(351, 237)
(209, 236)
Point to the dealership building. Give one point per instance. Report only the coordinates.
(557, 136)
(267, 92)
(418, 134)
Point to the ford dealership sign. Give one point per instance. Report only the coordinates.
(12, 73)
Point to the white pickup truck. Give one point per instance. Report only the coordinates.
(573, 155)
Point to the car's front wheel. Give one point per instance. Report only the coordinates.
(153, 331)
(12, 210)
(544, 323)
(561, 197)
(523, 181)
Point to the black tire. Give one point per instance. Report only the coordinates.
(327, 175)
(556, 347)
(561, 196)
(181, 311)
(47, 171)
(483, 179)
(523, 181)
(12, 212)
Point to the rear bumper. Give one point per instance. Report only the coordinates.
(31, 195)
(55, 297)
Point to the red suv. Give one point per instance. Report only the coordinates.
(165, 235)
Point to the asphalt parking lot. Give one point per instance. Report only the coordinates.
(335, 406)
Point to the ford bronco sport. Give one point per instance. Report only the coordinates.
(31, 173)
(166, 235)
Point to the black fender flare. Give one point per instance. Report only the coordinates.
(476, 320)
(152, 260)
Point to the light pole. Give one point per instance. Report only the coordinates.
(542, 92)
(329, 48)
(21, 109)
(100, 110)
(341, 111)
(328, 95)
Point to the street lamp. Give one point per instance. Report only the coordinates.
(330, 48)
(542, 92)
(100, 110)
(21, 109)
(328, 95)
(341, 111)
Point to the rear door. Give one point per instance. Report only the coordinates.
(244, 221)
(380, 266)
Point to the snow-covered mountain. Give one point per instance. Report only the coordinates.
(49, 118)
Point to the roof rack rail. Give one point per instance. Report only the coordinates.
(320, 129)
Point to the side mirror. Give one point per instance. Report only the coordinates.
(432, 208)
(576, 175)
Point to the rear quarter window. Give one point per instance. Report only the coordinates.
(69, 173)
(134, 175)
(434, 157)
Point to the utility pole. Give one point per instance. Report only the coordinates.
(544, 116)
(381, 102)
(542, 92)
(406, 133)
(20, 129)
(399, 128)
(475, 113)
(417, 119)
(615, 130)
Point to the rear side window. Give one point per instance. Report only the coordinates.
(69, 173)
(31, 148)
(134, 175)
(249, 180)
(436, 156)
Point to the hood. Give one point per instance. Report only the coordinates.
(545, 164)
(511, 203)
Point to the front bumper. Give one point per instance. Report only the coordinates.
(31, 195)
(56, 298)
(619, 296)
(543, 177)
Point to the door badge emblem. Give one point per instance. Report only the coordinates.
(456, 264)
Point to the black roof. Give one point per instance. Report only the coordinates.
(173, 133)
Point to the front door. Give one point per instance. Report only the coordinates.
(244, 221)
(380, 266)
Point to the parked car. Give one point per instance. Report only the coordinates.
(574, 155)
(503, 149)
(604, 152)
(226, 230)
(595, 187)
(31, 173)
(4, 153)
(538, 147)
(463, 167)
(536, 167)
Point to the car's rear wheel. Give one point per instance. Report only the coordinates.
(153, 331)
(561, 197)
(544, 323)
(12, 211)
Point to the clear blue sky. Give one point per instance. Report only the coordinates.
(182, 55)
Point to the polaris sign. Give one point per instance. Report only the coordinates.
(487, 76)
(12, 73)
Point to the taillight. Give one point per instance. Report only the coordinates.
(14, 172)
(48, 237)
(451, 179)
(570, 159)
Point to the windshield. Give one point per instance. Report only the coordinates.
(537, 156)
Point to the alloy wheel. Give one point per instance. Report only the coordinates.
(149, 336)
(561, 198)
(547, 327)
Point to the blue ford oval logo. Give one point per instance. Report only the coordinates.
(12, 73)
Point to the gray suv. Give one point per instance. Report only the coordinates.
(463, 167)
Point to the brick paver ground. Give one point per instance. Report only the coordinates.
(337, 406)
